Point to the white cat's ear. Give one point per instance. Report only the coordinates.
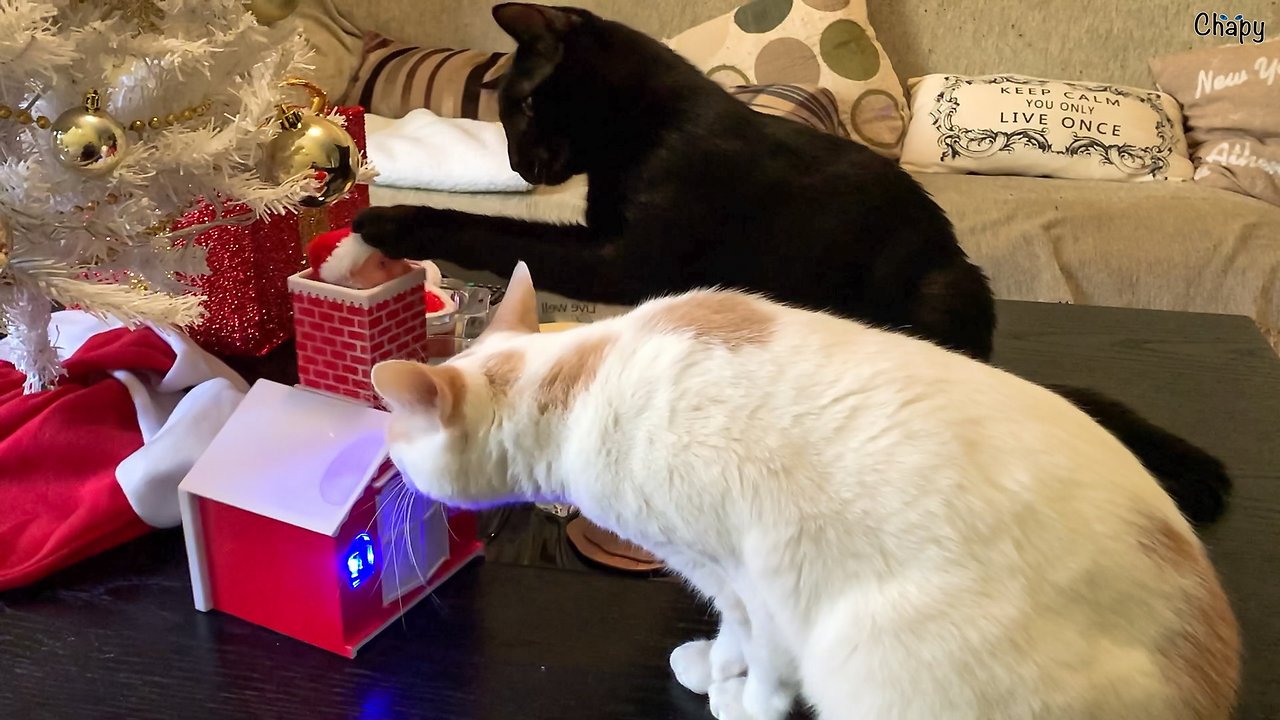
(518, 311)
(417, 388)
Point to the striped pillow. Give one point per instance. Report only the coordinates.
(810, 105)
(394, 78)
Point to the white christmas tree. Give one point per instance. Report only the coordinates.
(185, 92)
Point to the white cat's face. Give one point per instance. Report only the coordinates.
(432, 454)
(443, 418)
(440, 434)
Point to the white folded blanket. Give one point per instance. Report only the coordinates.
(425, 151)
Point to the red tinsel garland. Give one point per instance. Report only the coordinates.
(247, 304)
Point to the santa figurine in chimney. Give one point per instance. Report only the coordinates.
(342, 257)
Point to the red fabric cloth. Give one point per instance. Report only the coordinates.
(59, 499)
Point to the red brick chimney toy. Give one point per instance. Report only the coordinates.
(342, 332)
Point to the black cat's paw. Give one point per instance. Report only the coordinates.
(395, 230)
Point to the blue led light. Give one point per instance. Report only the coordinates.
(361, 562)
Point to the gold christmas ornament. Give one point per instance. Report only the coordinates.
(87, 139)
(271, 11)
(311, 144)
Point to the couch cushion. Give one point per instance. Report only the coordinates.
(335, 44)
(1093, 40)
(1163, 246)
(564, 204)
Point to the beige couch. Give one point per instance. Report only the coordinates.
(1159, 245)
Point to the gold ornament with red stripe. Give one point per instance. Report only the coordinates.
(310, 143)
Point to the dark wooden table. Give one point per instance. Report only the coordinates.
(534, 632)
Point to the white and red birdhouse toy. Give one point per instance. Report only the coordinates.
(295, 517)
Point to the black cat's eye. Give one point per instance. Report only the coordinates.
(527, 106)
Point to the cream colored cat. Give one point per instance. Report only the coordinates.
(888, 529)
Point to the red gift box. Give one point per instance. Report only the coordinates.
(248, 309)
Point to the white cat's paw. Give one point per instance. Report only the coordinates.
(727, 658)
(725, 699)
(766, 700)
(691, 663)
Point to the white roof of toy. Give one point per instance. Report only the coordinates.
(295, 455)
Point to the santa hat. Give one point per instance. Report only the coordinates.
(338, 253)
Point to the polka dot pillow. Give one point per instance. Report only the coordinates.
(828, 43)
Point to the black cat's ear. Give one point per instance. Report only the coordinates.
(493, 83)
(533, 24)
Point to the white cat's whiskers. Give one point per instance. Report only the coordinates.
(377, 511)
(396, 498)
(408, 539)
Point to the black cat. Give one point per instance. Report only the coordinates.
(688, 187)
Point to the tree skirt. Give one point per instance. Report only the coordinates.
(96, 461)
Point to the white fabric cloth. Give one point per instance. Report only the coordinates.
(427, 152)
(178, 414)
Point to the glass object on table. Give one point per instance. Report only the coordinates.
(449, 334)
